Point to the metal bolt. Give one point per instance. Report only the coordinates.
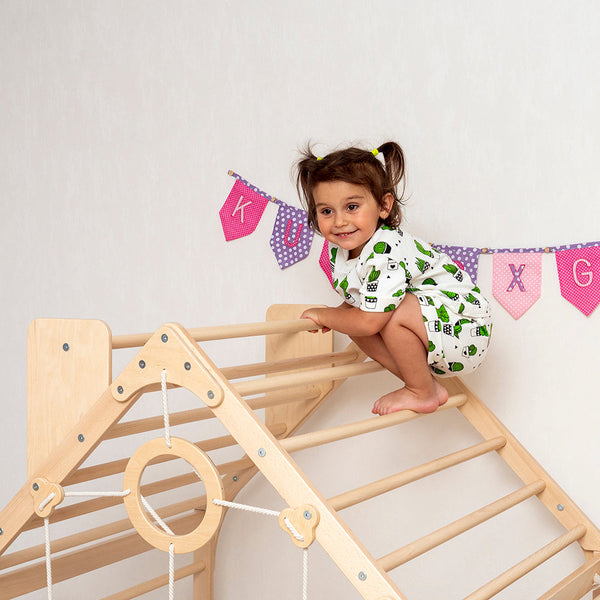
(235, 477)
(1, 531)
(210, 394)
(307, 515)
(36, 487)
(142, 364)
(362, 575)
(120, 389)
(262, 452)
(81, 437)
(164, 338)
(66, 347)
(187, 366)
(560, 507)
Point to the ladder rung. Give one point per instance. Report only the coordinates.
(525, 566)
(118, 466)
(392, 482)
(200, 414)
(223, 332)
(290, 364)
(156, 583)
(426, 543)
(280, 382)
(324, 436)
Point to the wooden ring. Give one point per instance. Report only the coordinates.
(207, 471)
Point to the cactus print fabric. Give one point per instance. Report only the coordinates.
(394, 263)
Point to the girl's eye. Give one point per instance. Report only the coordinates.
(326, 211)
(352, 207)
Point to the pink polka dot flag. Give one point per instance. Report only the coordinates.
(242, 211)
(579, 277)
(517, 281)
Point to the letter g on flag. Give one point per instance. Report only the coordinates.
(579, 277)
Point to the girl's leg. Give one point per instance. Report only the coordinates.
(405, 340)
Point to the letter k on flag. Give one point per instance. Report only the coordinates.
(517, 280)
(242, 211)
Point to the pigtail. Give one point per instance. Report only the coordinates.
(394, 166)
(305, 167)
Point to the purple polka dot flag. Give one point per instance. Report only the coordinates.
(465, 257)
(292, 237)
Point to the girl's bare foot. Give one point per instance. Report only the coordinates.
(408, 399)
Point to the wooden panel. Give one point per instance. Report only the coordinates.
(68, 368)
(294, 345)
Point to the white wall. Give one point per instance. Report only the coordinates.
(119, 123)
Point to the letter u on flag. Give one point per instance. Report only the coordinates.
(242, 211)
(579, 277)
(517, 280)
(292, 237)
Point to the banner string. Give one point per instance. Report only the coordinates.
(443, 247)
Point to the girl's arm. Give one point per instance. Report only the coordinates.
(348, 319)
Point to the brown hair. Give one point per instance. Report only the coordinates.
(353, 165)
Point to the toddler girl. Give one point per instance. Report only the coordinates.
(406, 305)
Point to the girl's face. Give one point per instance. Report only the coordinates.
(348, 214)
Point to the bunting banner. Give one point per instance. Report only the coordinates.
(579, 277)
(517, 272)
(517, 281)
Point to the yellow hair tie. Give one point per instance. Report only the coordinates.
(319, 158)
(374, 152)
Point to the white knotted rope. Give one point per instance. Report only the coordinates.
(171, 571)
(288, 524)
(596, 584)
(48, 559)
(155, 516)
(165, 404)
(43, 505)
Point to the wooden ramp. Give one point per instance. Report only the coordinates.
(75, 405)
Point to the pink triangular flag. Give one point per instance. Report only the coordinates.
(242, 211)
(517, 280)
(579, 277)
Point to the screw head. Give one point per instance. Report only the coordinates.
(262, 452)
(560, 507)
(235, 477)
(210, 394)
(187, 366)
(307, 515)
(66, 347)
(164, 338)
(120, 389)
(81, 437)
(142, 364)
(362, 575)
(35, 487)
(1, 531)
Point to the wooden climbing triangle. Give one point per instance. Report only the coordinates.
(75, 404)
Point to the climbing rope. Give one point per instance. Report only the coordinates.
(288, 524)
(43, 505)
